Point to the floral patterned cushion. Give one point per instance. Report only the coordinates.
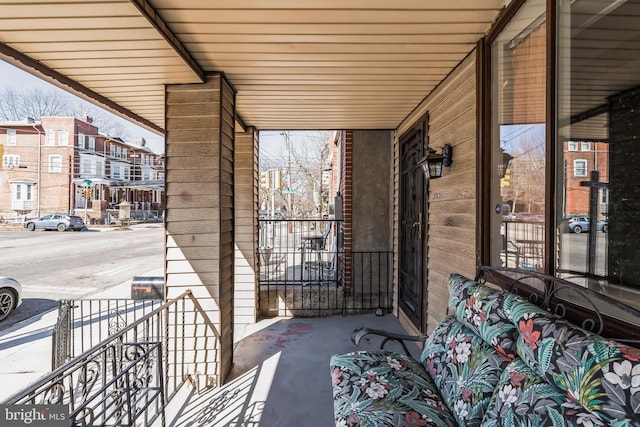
(482, 310)
(464, 368)
(601, 375)
(523, 398)
(383, 388)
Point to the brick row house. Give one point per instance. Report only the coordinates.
(64, 164)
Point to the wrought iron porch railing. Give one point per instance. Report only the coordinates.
(84, 323)
(130, 376)
(358, 282)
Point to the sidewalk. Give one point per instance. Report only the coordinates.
(25, 348)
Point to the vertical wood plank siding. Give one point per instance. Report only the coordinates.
(199, 188)
(451, 199)
(246, 227)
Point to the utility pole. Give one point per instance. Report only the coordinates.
(289, 192)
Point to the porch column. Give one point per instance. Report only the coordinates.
(199, 243)
(246, 228)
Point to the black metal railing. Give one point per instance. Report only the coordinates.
(84, 323)
(304, 271)
(130, 376)
(371, 285)
(523, 244)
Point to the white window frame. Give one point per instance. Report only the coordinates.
(81, 141)
(112, 150)
(577, 168)
(585, 146)
(572, 146)
(19, 194)
(63, 137)
(115, 172)
(604, 196)
(85, 167)
(9, 160)
(55, 163)
(12, 137)
(49, 137)
(92, 143)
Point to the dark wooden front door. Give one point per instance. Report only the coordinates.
(411, 225)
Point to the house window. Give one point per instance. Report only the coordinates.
(126, 173)
(115, 174)
(580, 167)
(92, 143)
(518, 147)
(604, 196)
(21, 192)
(50, 137)
(11, 137)
(63, 137)
(585, 146)
(10, 160)
(572, 146)
(99, 169)
(112, 150)
(86, 167)
(81, 140)
(55, 163)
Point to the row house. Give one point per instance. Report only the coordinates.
(63, 164)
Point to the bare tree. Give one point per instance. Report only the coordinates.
(16, 104)
(303, 162)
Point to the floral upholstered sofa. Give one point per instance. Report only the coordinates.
(496, 359)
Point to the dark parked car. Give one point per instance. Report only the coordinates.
(10, 296)
(60, 222)
(578, 224)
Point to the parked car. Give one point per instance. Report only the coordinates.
(10, 296)
(60, 222)
(578, 224)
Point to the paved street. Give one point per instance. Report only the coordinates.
(51, 265)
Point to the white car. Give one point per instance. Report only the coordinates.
(10, 296)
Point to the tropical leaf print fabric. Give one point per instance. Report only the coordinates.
(464, 368)
(382, 388)
(601, 375)
(495, 360)
(523, 398)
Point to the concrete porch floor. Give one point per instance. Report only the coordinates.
(281, 374)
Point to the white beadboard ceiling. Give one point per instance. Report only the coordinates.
(296, 64)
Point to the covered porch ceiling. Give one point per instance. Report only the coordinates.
(296, 64)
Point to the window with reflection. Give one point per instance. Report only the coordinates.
(518, 67)
(598, 135)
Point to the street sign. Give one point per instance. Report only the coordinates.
(88, 183)
(288, 191)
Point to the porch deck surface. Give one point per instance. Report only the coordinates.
(281, 374)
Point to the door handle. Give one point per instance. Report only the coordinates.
(418, 224)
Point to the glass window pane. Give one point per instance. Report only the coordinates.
(598, 203)
(519, 140)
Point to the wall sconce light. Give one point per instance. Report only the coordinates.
(433, 162)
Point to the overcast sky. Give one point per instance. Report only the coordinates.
(11, 76)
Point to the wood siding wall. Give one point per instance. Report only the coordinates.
(451, 199)
(246, 228)
(199, 187)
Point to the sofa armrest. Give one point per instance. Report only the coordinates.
(358, 334)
